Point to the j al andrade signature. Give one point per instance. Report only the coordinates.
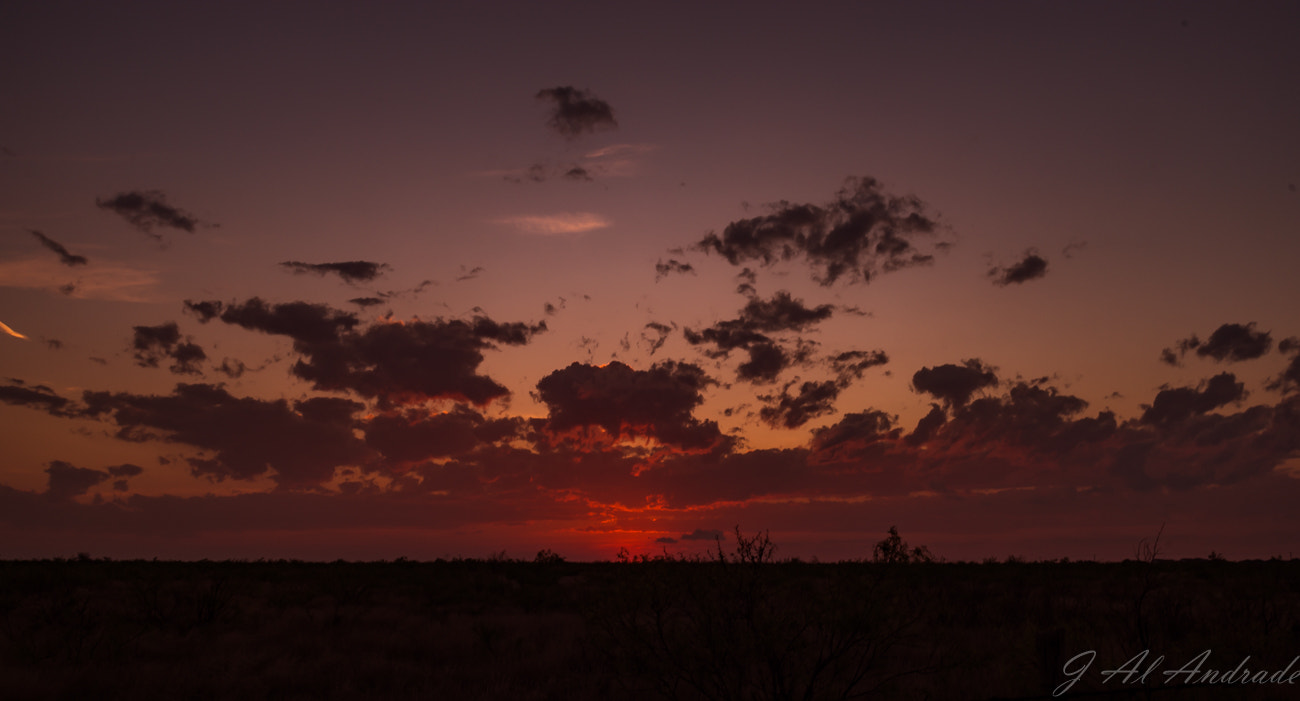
(1198, 670)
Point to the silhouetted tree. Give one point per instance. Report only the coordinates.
(893, 550)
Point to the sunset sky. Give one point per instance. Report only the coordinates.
(325, 280)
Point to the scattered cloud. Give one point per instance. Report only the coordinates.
(954, 384)
(64, 256)
(578, 173)
(747, 283)
(470, 273)
(104, 281)
(413, 436)
(768, 357)
(857, 431)
(663, 270)
(146, 209)
(575, 112)
(656, 403)
(557, 224)
(152, 344)
(302, 442)
(863, 232)
(232, 368)
(41, 397)
(851, 365)
(393, 362)
(792, 411)
(702, 534)
(1229, 343)
(1181, 403)
(67, 481)
(656, 340)
(1031, 267)
(1289, 379)
(351, 271)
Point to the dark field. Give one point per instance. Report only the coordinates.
(665, 628)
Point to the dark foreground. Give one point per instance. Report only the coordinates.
(88, 629)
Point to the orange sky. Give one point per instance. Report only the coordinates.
(364, 283)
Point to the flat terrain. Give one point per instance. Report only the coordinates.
(666, 628)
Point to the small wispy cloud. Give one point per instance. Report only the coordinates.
(557, 224)
(622, 150)
(64, 256)
(148, 209)
(107, 281)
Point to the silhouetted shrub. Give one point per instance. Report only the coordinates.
(893, 550)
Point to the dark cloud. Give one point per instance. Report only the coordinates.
(352, 271)
(748, 283)
(782, 313)
(1289, 344)
(863, 232)
(927, 426)
(67, 481)
(759, 317)
(148, 209)
(851, 365)
(1073, 247)
(205, 310)
(64, 256)
(469, 273)
(702, 534)
(659, 337)
(152, 344)
(665, 540)
(1180, 403)
(301, 441)
(1289, 379)
(1031, 267)
(302, 321)
(954, 384)
(767, 361)
(792, 411)
(575, 112)
(365, 302)
(232, 368)
(415, 436)
(578, 173)
(126, 470)
(657, 402)
(856, 430)
(391, 294)
(41, 397)
(1235, 342)
(1228, 343)
(673, 265)
(393, 362)
(1028, 415)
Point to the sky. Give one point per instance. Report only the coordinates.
(332, 280)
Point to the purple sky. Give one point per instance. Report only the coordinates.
(330, 280)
